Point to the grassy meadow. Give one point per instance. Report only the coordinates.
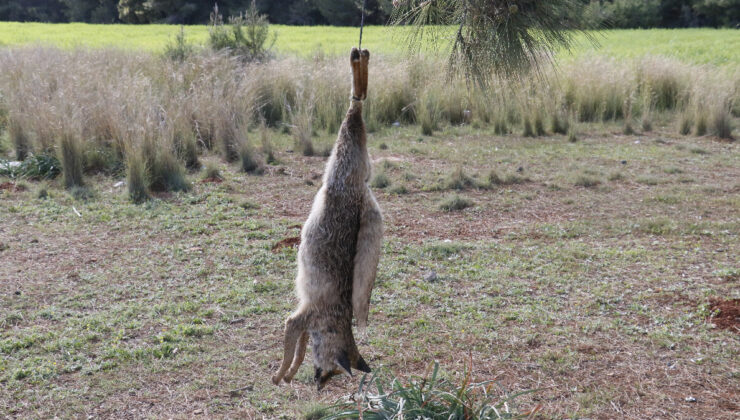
(698, 46)
(572, 234)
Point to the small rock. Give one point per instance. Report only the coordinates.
(430, 276)
(119, 184)
(690, 399)
(637, 141)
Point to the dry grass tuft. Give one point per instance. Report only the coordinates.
(136, 177)
(72, 160)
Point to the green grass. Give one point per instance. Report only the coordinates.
(700, 46)
(182, 297)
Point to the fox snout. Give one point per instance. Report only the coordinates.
(343, 364)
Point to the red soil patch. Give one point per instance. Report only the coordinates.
(287, 242)
(212, 180)
(726, 314)
(11, 187)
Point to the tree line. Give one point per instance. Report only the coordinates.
(600, 13)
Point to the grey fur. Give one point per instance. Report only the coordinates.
(339, 252)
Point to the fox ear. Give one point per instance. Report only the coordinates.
(362, 365)
(343, 362)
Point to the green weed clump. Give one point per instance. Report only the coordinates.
(431, 397)
(494, 179)
(459, 180)
(586, 181)
(212, 172)
(42, 166)
(380, 180)
(455, 203)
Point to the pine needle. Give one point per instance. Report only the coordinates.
(508, 38)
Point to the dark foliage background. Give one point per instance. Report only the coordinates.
(610, 13)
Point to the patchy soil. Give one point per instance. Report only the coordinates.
(11, 186)
(212, 180)
(287, 243)
(726, 314)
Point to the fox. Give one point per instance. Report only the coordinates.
(338, 254)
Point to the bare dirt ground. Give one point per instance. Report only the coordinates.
(612, 298)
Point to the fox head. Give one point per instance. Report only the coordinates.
(334, 353)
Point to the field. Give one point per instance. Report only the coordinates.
(699, 46)
(576, 238)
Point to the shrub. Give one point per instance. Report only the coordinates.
(72, 160)
(180, 48)
(248, 35)
(455, 203)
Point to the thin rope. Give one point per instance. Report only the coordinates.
(362, 23)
